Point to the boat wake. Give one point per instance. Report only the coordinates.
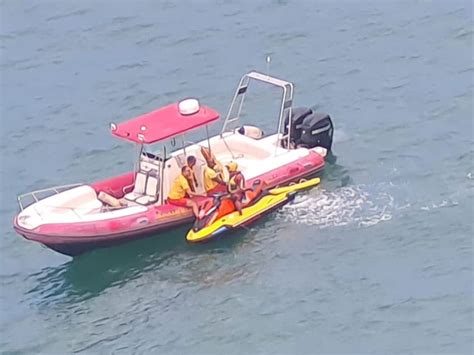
(348, 205)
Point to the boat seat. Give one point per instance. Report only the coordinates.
(151, 191)
(145, 190)
(138, 187)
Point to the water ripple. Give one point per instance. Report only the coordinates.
(67, 15)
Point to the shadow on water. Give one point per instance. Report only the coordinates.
(87, 276)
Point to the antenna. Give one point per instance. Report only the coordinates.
(269, 59)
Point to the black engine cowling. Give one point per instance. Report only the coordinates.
(317, 131)
(297, 116)
(309, 129)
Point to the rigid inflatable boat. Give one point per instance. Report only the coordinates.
(77, 218)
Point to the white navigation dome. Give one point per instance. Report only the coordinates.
(188, 106)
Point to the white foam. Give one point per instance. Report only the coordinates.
(351, 205)
(443, 203)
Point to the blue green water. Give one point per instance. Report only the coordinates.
(378, 259)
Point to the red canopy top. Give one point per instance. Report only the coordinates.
(166, 122)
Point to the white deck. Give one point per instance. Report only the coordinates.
(254, 157)
(79, 204)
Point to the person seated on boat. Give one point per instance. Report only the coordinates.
(236, 185)
(191, 162)
(214, 178)
(180, 193)
(213, 181)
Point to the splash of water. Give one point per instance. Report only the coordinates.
(345, 206)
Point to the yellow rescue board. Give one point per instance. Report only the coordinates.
(275, 198)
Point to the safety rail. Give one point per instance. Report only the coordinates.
(49, 192)
(235, 108)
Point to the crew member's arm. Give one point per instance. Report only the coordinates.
(214, 176)
(241, 181)
(194, 194)
(218, 179)
(185, 186)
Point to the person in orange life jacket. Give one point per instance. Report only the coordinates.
(180, 193)
(236, 185)
(191, 162)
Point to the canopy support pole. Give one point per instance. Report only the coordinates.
(184, 146)
(208, 140)
(162, 180)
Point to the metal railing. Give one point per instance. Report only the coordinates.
(239, 97)
(34, 195)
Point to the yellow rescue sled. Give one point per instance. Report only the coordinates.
(266, 203)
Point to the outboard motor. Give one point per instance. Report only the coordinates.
(317, 131)
(297, 116)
